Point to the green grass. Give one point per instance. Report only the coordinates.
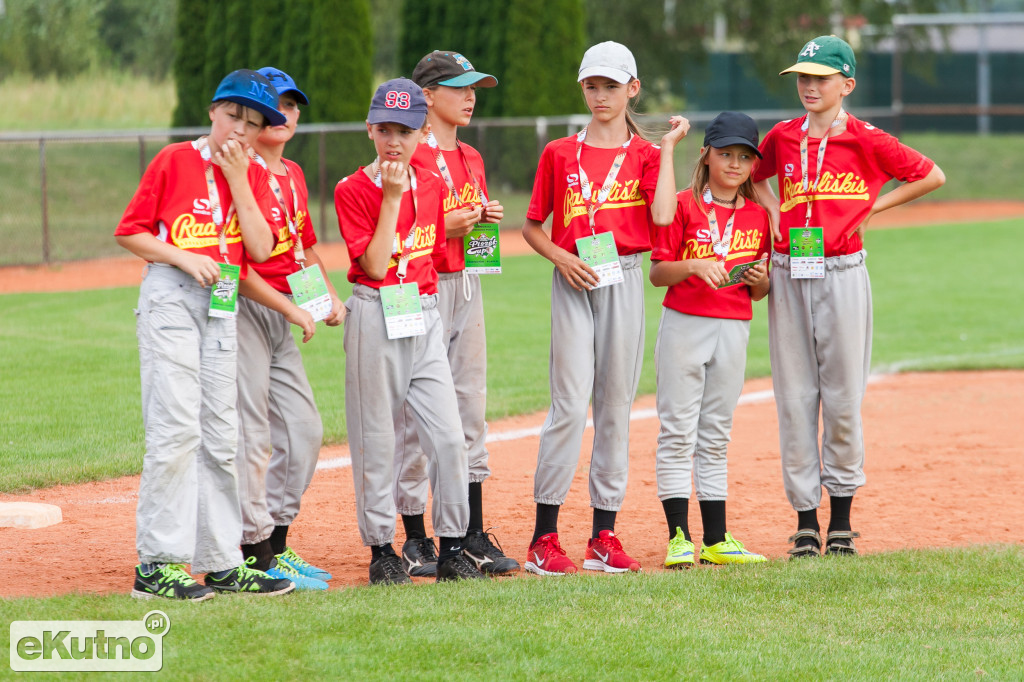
(69, 361)
(915, 615)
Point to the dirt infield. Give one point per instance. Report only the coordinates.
(945, 464)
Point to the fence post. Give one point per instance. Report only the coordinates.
(142, 156)
(42, 193)
(542, 134)
(897, 82)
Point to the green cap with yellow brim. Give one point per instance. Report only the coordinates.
(824, 56)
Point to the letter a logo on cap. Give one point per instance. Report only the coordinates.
(809, 49)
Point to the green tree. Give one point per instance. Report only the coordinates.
(266, 40)
(415, 39)
(215, 65)
(235, 37)
(544, 40)
(189, 60)
(340, 65)
(297, 32)
(50, 37)
(139, 35)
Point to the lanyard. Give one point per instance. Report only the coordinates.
(720, 241)
(401, 249)
(840, 118)
(291, 218)
(442, 168)
(594, 204)
(203, 146)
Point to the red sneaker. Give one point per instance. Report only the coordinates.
(605, 553)
(546, 557)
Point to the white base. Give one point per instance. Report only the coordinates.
(28, 515)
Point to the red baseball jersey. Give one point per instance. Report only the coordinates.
(357, 200)
(689, 237)
(858, 162)
(173, 203)
(453, 259)
(626, 212)
(281, 263)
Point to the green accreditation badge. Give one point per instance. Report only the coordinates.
(806, 253)
(483, 250)
(309, 292)
(224, 295)
(403, 313)
(736, 274)
(600, 253)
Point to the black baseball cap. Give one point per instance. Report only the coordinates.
(451, 69)
(732, 127)
(398, 100)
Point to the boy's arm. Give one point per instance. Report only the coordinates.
(766, 197)
(337, 314)
(904, 193)
(256, 289)
(256, 234)
(146, 246)
(663, 208)
(374, 260)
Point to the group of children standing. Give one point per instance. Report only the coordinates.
(232, 431)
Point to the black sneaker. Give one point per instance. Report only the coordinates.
(245, 580)
(419, 557)
(478, 548)
(387, 570)
(458, 568)
(170, 581)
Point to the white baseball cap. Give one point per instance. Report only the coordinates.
(608, 59)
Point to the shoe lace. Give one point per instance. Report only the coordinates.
(284, 568)
(551, 544)
(176, 573)
(490, 542)
(463, 568)
(391, 566)
(294, 559)
(612, 542)
(426, 547)
(245, 572)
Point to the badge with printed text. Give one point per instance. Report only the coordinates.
(806, 253)
(736, 274)
(483, 250)
(403, 313)
(600, 253)
(309, 292)
(224, 294)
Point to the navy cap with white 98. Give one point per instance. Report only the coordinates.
(399, 100)
(283, 83)
(729, 128)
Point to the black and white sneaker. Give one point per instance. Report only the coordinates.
(419, 557)
(479, 548)
(387, 570)
(169, 581)
(458, 567)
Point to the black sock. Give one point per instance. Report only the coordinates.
(414, 528)
(377, 551)
(712, 517)
(476, 507)
(279, 539)
(547, 521)
(450, 548)
(677, 515)
(839, 518)
(263, 553)
(807, 519)
(603, 520)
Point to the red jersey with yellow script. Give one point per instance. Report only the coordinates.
(858, 162)
(453, 258)
(281, 263)
(357, 200)
(173, 203)
(626, 212)
(689, 237)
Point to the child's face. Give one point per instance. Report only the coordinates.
(729, 167)
(607, 99)
(231, 121)
(276, 135)
(394, 141)
(453, 106)
(823, 93)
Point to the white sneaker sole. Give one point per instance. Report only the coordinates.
(534, 568)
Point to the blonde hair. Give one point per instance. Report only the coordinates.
(701, 175)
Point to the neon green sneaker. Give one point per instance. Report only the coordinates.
(680, 551)
(291, 557)
(728, 551)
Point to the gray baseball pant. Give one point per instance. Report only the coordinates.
(700, 363)
(820, 345)
(280, 430)
(188, 510)
(597, 350)
(380, 376)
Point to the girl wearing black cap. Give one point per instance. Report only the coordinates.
(711, 256)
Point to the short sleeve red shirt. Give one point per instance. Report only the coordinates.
(281, 263)
(462, 195)
(689, 237)
(172, 202)
(357, 200)
(626, 212)
(858, 162)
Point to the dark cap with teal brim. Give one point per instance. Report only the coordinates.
(824, 56)
(250, 89)
(450, 69)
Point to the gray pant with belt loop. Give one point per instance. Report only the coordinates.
(597, 350)
(820, 345)
(381, 375)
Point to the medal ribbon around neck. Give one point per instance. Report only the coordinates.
(839, 119)
(594, 204)
(202, 144)
(402, 249)
(442, 168)
(720, 242)
(275, 187)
